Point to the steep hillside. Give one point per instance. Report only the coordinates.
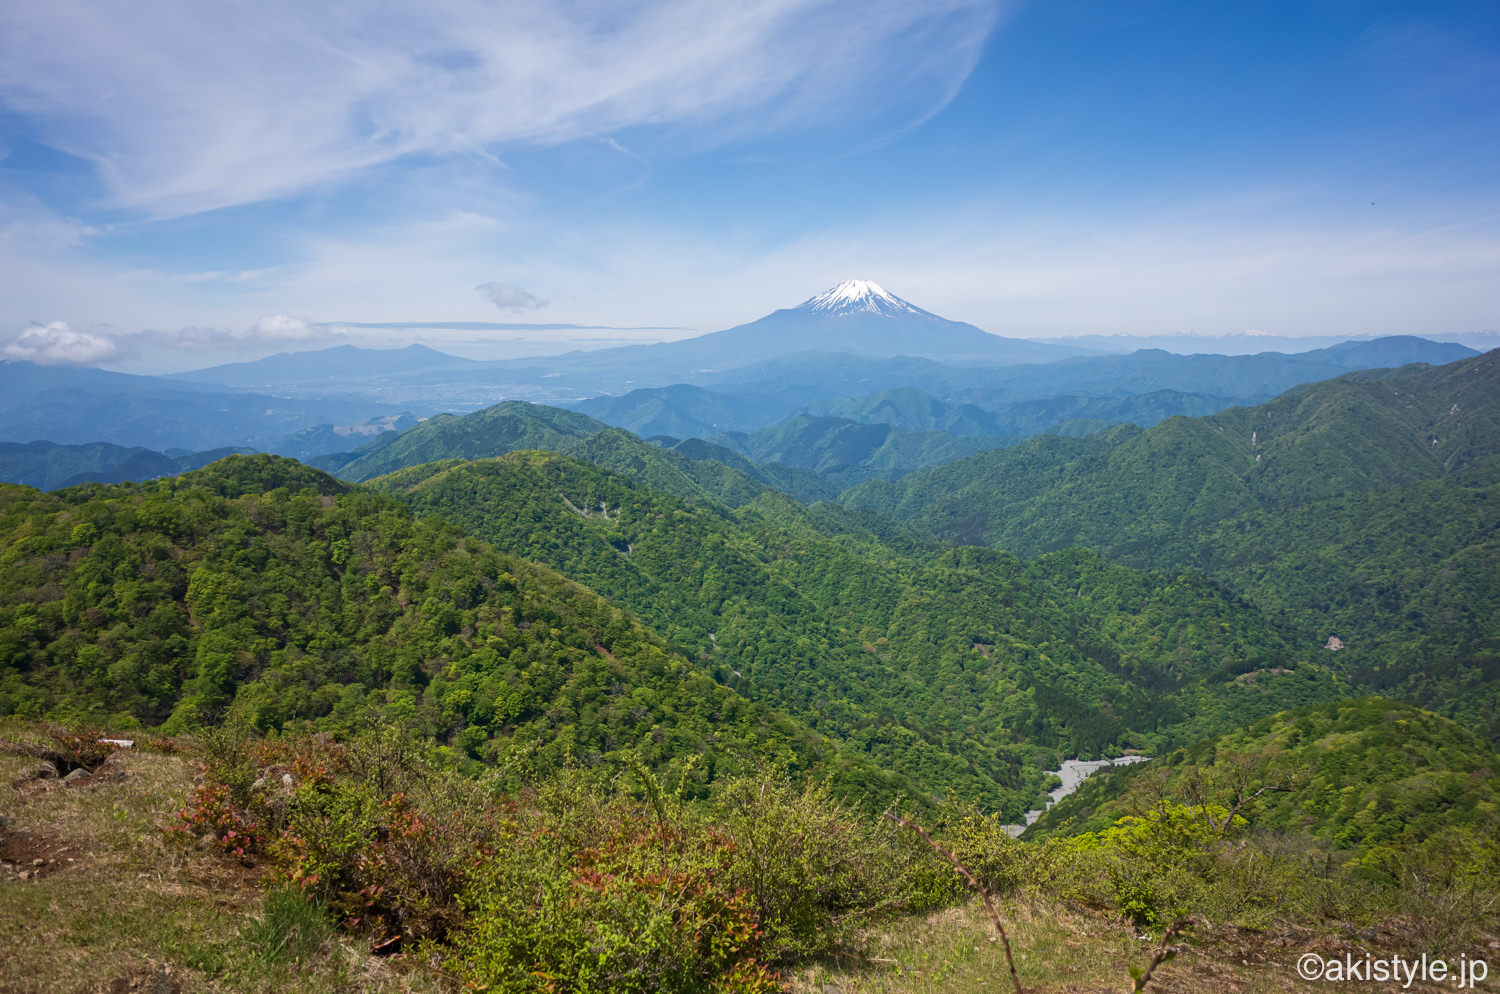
(1131, 489)
(951, 666)
(691, 469)
(268, 590)
(1371, 775)
(490, 432)
(686, 411)
(910, 409)
(1360, 508)
(845, 452)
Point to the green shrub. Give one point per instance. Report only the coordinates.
(816, 871)
(980, 842)
(591, 890)
(582, 881)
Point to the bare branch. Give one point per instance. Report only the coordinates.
(1163, 952)
(973, 882)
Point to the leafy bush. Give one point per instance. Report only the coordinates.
(582, 881)
(603, 891)
(815, 870)
(979, 841)
(601, 895)
(213, 815)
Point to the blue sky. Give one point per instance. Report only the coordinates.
(183, 184)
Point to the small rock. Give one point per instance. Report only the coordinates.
(25, 874)
(75, 776)
(39, 862)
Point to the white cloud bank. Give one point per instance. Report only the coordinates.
(186, 106)
(56, 344)
(282, 328)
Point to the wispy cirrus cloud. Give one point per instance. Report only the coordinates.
(184, 107)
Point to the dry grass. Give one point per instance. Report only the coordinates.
(117, 906)
(1061, 950)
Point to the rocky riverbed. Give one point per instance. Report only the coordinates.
(1072, 773)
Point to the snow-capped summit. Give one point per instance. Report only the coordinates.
(855, 318)
(858, 296)
(859, 317)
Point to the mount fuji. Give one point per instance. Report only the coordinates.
(856, 322)
(863, 318)
(856, 318)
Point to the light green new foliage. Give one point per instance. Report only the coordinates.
(1157, 863)
(592, 890)
(815, 870)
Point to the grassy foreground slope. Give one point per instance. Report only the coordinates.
(116, 906)
(282, 863)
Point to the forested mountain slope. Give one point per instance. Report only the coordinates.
(1363, 508)
(263, 588)
(845, 452)
(951, 666)
(502, 428)
(1132, 491)
(1372, 775)
(684, 469)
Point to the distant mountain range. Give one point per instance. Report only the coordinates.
(49, 466)
(843, 363)
(1244, 343)
(857, 317)
(319, 367)
(821, 410)
(73, 406)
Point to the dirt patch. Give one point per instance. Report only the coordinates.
(149, 981)
(34, 778)
(54, 773)
(29, 855)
